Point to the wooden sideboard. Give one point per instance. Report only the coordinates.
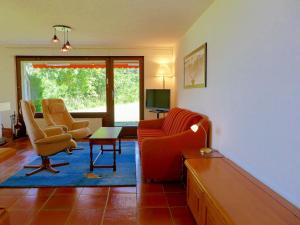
(221, 193)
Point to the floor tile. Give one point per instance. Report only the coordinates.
(117, 201)
(68, 191)
(60, 202)
(120, 216)
(95, 191)
(154, 216)
(90, 202)
(41, 191)
(182, 216)
(152, 200)
(124, 190)
(29, 203)
(149, 188)
(174, 187)
(8, 201)
(17, 217)
(85, 217)
(176, 199)
(13, 191)
(51, 217)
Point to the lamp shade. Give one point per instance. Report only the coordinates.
(4, 106)
(164, 71)
(195, 128)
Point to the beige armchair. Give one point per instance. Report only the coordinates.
(46, 142)
(56, 114)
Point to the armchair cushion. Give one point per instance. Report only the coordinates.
(57, 108)
(56, 114)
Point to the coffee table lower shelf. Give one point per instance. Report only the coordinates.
(101, 143)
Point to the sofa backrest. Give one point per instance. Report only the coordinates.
(179, 120)
(169, 119)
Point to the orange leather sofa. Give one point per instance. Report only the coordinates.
(161, 142)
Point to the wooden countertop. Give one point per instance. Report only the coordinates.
(239, 196)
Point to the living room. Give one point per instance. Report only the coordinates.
(250, 98)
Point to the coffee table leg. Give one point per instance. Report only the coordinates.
(114, 165)
(119, 145)
(91, 157)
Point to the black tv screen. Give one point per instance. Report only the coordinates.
(158, 99)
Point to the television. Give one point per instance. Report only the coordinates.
(158, 99)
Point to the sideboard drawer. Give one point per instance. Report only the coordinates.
(195, 199)
(212, 214)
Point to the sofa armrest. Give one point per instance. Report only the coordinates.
(151, 124)
(80, 124)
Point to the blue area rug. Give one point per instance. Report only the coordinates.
(77, 174)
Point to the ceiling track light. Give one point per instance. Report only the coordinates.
(68, 45)
(65, 29)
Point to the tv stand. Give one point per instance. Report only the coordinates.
(158, 111)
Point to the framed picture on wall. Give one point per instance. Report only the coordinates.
(195, 72)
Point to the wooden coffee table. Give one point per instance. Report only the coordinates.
(105, 136)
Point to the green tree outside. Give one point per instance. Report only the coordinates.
(82, 88)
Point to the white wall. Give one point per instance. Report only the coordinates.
(152, 56)
(253, 90)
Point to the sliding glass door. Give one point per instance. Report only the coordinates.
(126, 92)
(110, 88)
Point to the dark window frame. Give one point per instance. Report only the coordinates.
(108, 116)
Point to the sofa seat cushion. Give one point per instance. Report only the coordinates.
(148, 133)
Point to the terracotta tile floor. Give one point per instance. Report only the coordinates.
(146, 204)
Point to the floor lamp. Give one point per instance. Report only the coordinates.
(4, 106)
(163, 72)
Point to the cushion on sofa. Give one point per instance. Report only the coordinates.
(183, 121)
(169, 119)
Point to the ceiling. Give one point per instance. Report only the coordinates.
(113, 23)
